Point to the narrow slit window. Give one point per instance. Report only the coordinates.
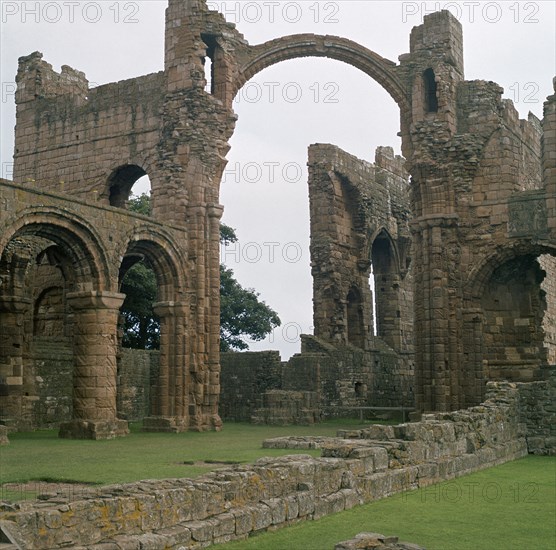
(208, 61)
(431, 96)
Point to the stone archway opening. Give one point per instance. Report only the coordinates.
(519, 313)
(270, 171)
(125, 179)
(385, 281)
(151, 274)
(139, 325)
(52, 311)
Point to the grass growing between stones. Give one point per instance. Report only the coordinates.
(509, 507)
(42, 456)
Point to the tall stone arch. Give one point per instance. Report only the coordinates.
(178, 398)
(333, 47)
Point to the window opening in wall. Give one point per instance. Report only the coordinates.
(121, 182)
(139, 325)
(373, 294)
(431, 95)
(208, 62)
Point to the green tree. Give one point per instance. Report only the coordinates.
(141, 327)
(242, 314)
(141, 204)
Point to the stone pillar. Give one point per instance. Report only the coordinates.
(170, 406)
(437, 336)
(95, 316)
(213, 260)
(12, 335)
(472, 375)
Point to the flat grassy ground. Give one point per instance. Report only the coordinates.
(42, 456)
(509, 507)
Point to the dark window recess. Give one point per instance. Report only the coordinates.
(431, 96)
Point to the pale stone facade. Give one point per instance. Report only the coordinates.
(480, 210)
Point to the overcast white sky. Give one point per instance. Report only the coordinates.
(313, 101)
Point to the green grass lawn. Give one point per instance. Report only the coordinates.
(509, 507)
(41, 455)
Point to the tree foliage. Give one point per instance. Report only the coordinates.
(141, 326)
(141, 204)
(242, 314)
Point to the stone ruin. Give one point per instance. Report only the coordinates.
(461, 235)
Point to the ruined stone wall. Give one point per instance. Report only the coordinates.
(359, 221)
(478, 201)
(245, 377)
(514, 312)
(60, 274)
(236, 502)
(360, 229)
(70, 139)
(320, 382)
(537, 409)
(53, 389)
(137, 375)
(548, 286)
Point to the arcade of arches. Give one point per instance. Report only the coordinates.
(460, 235)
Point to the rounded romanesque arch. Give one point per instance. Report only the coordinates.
(164, 257)
(120, 183)
(79, 242)
(478, 277)
(341, 49)
(53, 264)
(171, 393)
(509, 316)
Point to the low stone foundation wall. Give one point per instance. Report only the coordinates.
(537, 407)
(283, 408)
(233, 503)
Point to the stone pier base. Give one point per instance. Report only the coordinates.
(93, 429)
(166, 424)
(4, 435)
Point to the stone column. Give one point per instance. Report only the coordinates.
(213, 260)
(95, 316)
(12, 335)
(170, 406)
(437, 314)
